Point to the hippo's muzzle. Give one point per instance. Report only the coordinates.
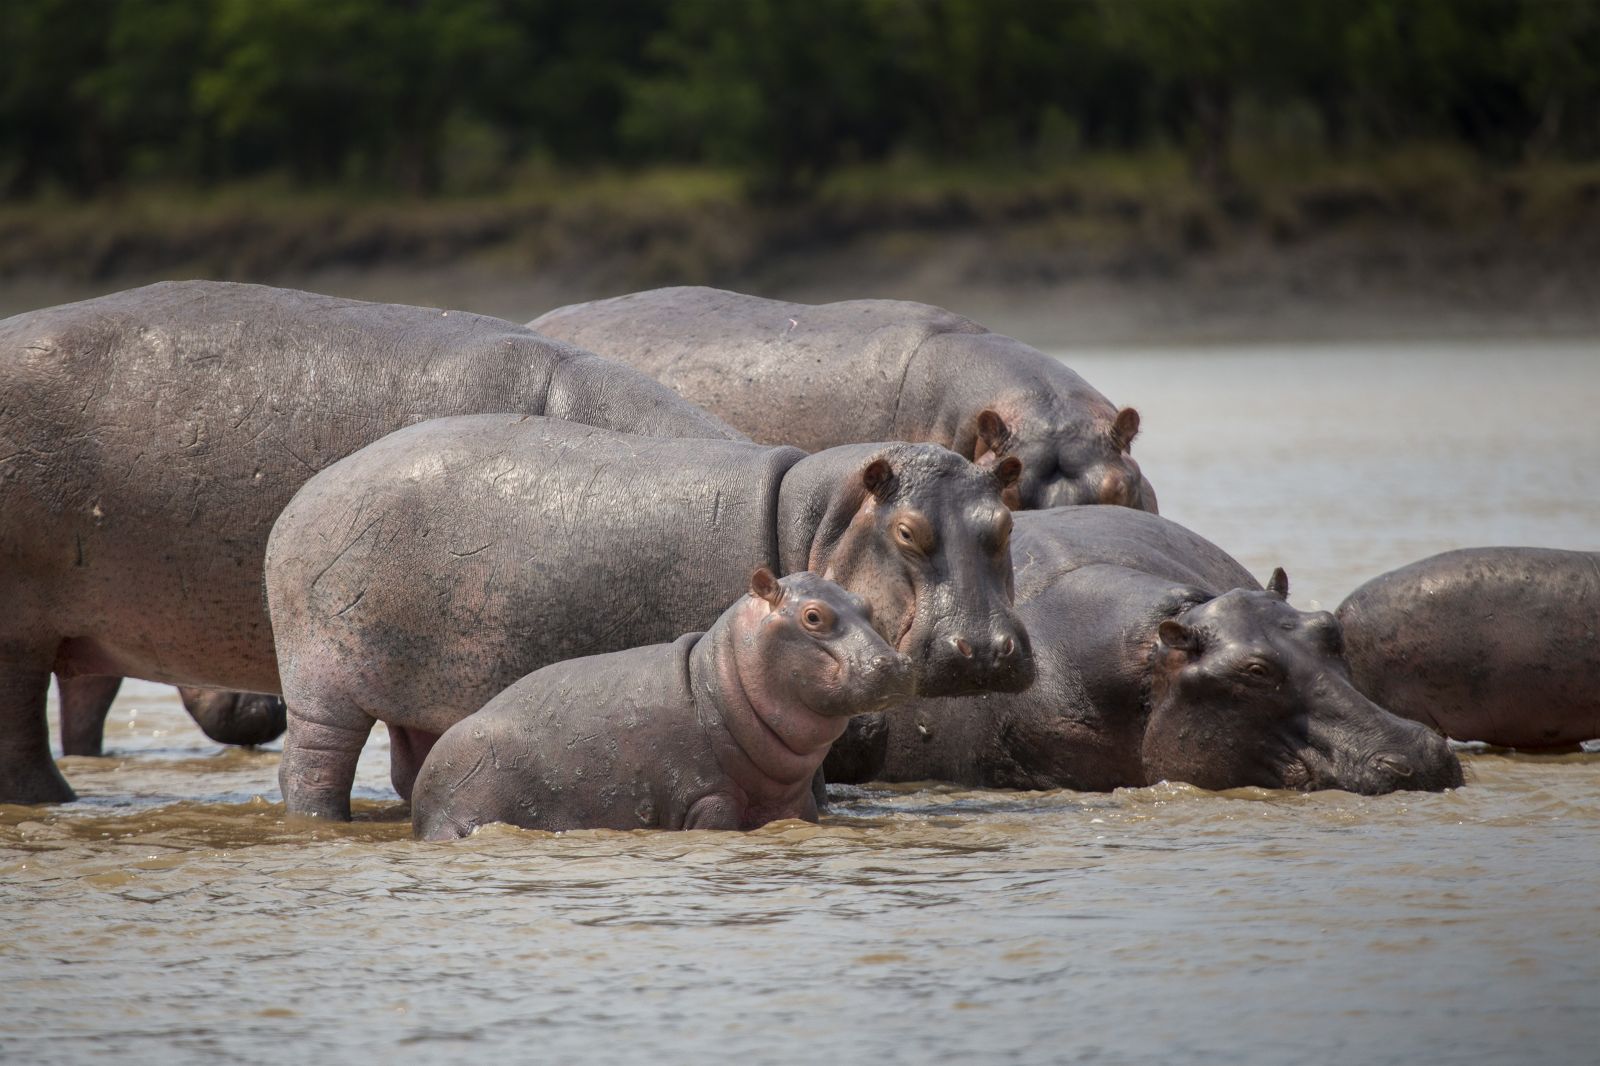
(960, 664)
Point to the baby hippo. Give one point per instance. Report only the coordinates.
(717, 730)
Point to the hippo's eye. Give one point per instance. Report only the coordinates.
(814, 618)
(902, 533)
(1256, 669)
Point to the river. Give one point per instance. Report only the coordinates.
(173, 917)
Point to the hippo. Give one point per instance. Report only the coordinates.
(148, 439)
(816, 376)
(243, 718)
(413, 581)
(717, 730)
(1159, 658)
(1490, 644)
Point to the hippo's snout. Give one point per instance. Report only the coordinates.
(1001, 661)
(1428, 765)
(883, 680)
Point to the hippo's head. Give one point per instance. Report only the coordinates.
(814, 644)
(924, 539)
(1246, 690)
(244, 718)
(1065, 462)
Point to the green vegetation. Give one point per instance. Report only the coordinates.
(428, 97)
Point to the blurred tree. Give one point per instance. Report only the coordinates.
(785, 89)
(371, 92)
(51, 124)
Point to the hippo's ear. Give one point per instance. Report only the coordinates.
(992, 435)
(764, 585)
(1177, 636)
(878, 477)
(1278, 583)
(1007, 471)
(1125, 428)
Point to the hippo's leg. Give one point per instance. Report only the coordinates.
(85, 702)
(27, 772)
(407, 749)
(320, 749)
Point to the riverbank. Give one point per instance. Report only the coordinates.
(1102, 251)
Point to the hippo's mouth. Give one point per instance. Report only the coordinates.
(905, 634)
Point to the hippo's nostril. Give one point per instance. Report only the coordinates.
(964, 648)
(1008, 648)
(1395, 765)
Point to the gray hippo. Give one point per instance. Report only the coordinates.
(720, 730)
(148, 439)
(243, 718)
(1159, 658)
(1491, 644)
(817, 376)
(413, 581)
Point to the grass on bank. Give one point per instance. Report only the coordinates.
(701, 224)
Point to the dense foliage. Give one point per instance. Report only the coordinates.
(430, 95)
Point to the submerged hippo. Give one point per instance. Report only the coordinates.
(720, 730)
(413, 581)
(1159, 658)
(149, 438)
(816, 376)
(1494, 644)
(243, 718)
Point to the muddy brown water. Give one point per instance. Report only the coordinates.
(173, 916)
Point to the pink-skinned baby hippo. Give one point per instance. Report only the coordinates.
(1500, 645)
(717, 730)
(816, 376)
(416, 579)
(149, 438)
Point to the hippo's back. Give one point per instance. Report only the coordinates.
(154, 435)
(1493, 644)
(500, 544)
(1047, 544)
(782, 372)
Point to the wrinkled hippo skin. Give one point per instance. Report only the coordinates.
(1490, 644)
(721, 730)
(242, 718)
(150, 438)
(1159, 658)
(436, 567)
(816, 376)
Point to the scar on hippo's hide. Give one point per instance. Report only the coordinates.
(1125, 428)
(878, 477)
(764, 585)
(992, 435)
(1278, 583)
(1177, 636)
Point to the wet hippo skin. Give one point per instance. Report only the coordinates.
(817, 376)
(720, 730)
(1493, 644)
(1159, 658)
(438, 566)
(148, 439)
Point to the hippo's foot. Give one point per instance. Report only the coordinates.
(35, 785)
(320, 750)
